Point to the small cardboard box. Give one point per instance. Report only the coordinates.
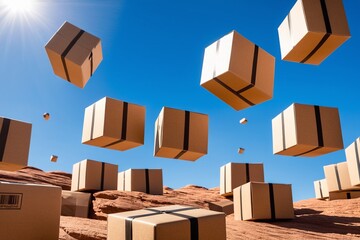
(29, 211)
(75, 204)
(313, 30)
(233, 175)
(337, 177)
(321, 189)
(181, 134)
(225, 206)
(90, 175)
(173, 222)
(307, 131)
(114, 124)
(74, 54)
(141, 180)
(263, 201)
(344, 195)
(14, 144)
(353, 161)
(238, 72)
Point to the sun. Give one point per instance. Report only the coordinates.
(19, 6)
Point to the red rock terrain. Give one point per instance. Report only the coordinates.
(339, 219)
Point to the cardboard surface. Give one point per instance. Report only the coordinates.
(75, 204)
(225, 206)
(353, 161)
(344, 195)
(321, 189)
(337, 177)
(29, 211)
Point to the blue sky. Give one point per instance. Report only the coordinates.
(153, 52)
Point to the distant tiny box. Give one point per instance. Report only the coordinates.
(114, 124)
(243, 121)
(181, 134)
(241, 150)
(74, 54)
(307, 131)
(238, 72)
(313, 30)
(53, 158)
(353, 161)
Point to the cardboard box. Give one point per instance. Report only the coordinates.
(141, 180)
(263, 201)
(337, 177)
(163, 223)
(313, 30)
(321, 189)
(53, 158)
(353, 161)
(238, 72)
(181, 134)
(114, 124)
(14, 144)
(225, 206)
(233, 175)
(75, 204)
(29, 211)
(90, 175)
(74, 54)
(344, 195)
(307, 131)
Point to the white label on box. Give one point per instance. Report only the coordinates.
(10, 201)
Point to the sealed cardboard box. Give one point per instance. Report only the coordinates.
(353, 161)
(29, 211)
(114, 124)
(74, 54)
(90, 175)
(75, 204)
(225, 206)
(238, 72)
(233, 175)
(344, 195)
(263, 201)
(321, 189)
(181, 134)
(337, 177)
(173, 222)
(313, 30)
(14, 144)
(141, 180)
(307, 131)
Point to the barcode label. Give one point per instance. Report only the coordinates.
(10, 200)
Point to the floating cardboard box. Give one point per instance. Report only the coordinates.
(90, 175)
(238, 72)
(141, 180)
(164, 223)
(29, 211)
(353, 161)
(233, 175)
(114, 124)
(313, 30)
(337, 177)
(14, 144)
(344, 195)
(243, 121)
(53, 158)
(181, 134)
(74, 54)
(225, 206)
(321, 189)
(263, 201)
(75, 204)
(307, 131)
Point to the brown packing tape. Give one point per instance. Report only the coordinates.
(147, 181)
(186, 135)
(337, 177)
(102, 177)
(320, 188)
(3, 136)
(357, 155)
(272, 201)
(79, 172)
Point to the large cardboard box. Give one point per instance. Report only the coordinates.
(337, 177)
(353, 161)
(344, 195)
(114, 124)
(90, 175)
(313, 30)
(233, 175)
(141, 180)
(263, 201)
(307, 131)
(29, 211)
(321, 189)
(14, 144)
(163, 223)
(181, 134)
(75, 204)
(74, 54)
(225, 206)
(238, 72)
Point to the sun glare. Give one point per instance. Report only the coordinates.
(18, 6)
